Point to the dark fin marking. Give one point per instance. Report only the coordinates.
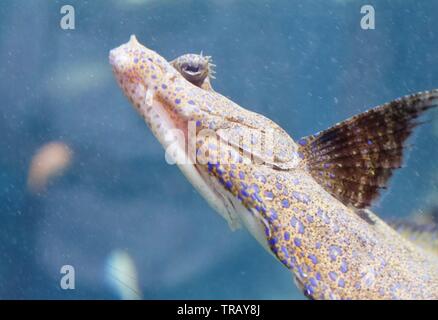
(354, 159)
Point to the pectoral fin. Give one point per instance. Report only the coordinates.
(423, 235)
(354, 159)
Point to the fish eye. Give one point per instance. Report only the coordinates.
(194, 72)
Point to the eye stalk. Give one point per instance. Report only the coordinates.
(195, 68)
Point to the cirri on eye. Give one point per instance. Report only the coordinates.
(305, 201)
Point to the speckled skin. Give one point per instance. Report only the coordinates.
(333, 252)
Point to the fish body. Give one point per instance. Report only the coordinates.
(303, 210)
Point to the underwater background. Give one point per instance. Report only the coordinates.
(131, 225)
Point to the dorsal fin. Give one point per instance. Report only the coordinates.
(354, 159)
(423, 235)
